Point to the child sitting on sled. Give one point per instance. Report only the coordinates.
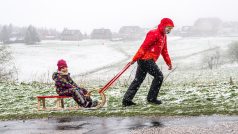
(65, 86)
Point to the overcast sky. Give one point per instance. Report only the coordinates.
(88, 14)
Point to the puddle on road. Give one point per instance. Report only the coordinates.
(110, 125)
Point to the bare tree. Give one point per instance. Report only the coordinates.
(233, 51)
(212, 59)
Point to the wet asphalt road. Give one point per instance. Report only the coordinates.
(123, 125)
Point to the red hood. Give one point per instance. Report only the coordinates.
(165, 22)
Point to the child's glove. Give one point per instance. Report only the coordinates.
(85, 92)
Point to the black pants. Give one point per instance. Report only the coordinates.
(78, 95)
(144, 67)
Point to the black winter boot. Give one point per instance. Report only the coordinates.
(128, 103)
(158, 102)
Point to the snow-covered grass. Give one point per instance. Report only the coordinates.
(199, 97)
(187, 91)
(38, 62)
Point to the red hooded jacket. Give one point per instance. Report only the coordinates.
(155, 44)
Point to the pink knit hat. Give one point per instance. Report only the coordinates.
(61, 64)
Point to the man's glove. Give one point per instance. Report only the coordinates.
(170, 67)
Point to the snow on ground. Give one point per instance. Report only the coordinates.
(18, 100)
(103, 59)
(185, 92)
(36, 61)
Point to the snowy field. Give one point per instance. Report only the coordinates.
(100, 59)
(190, 90)
(18, 101)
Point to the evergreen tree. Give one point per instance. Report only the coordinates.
(31, 36)
(5, 35)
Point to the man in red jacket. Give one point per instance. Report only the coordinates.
(154, 44)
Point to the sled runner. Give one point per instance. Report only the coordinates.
(41, 105)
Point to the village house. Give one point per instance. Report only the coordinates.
(71, 35)
(101, 34)
(131, 33)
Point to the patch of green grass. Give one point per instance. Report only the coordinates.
(18, 101)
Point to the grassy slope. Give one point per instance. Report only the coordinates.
(18, 100)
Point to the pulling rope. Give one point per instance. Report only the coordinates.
(169, 74)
